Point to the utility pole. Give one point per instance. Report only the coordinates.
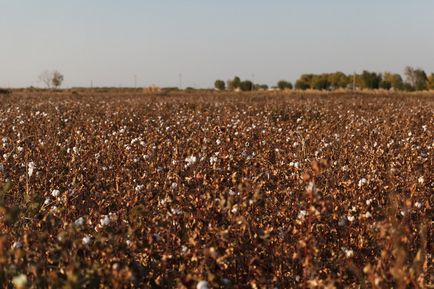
(354, 80)
(180, 80)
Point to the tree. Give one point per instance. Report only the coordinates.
(320, 82)
(56, 79)
(51, 78)
(46, 77)
(370, 80)
(220, 85)
(431, 81)
(304, 82)
(421, 80)
(339, 80)
(416, 78)
(261, 86)
(246, 85)
(283, 84)
(392, 81)
(235, 83)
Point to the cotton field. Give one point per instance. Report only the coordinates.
(214, 190)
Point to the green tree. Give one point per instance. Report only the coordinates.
(339, 80)
(57, 79)
(320, 82)
(370, 80)
(283, 84)
(431, 81)
(392, 81)
(246, 85)
(220, 85)
(235, 83)
(304, 82)
(261, 86)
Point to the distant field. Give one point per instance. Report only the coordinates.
(242, 190)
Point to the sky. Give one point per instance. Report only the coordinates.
(129, 42)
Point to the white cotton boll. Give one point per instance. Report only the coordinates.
(232, 193)
(47, 201)
(86, 240)
(218, 142)
(105, 221)
(75, 150)
(301, 214)
(234, 209)
(79, 222)
(368, 202)
(213, 160)
(418, 205)
(190, 160)
(17, 245)
(20, 149)
(421, 180)
(351, 218)
(173, 186)
(55, 193)
(202, 285)
(20, 281)
(362, 182)
(368, 215)
(31, 168)
(139, 188)
(349, 253)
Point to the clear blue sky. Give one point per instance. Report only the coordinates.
(110, 41)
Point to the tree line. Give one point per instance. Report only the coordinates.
(415, 80)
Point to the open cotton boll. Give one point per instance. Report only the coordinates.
(202, 285)
(55, 193)
(86, 240)
(105, 220)
(79, 222)
(31, 168)
(20, 281)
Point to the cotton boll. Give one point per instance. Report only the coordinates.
(301, 214)
(202, 285)
(362, 182)
(31, 169)
(20, 281)
(17, 245)
(86, 240)
(105, 220)
(79, 222)
(55, 193)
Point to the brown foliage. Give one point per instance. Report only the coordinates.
(243, 191)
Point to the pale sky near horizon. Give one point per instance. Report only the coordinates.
(108, 41)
